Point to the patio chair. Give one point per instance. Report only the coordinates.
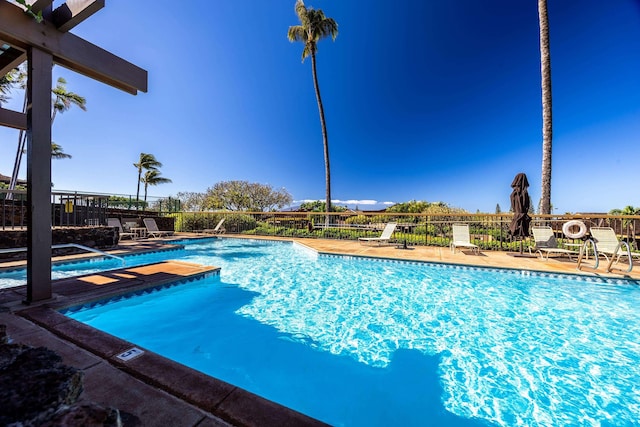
(115, 222)
(219, 229)
(153, 230)
(385, 237)
(462, 238)
(606, 243)
(546, 243)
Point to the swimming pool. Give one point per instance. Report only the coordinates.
(354, 341)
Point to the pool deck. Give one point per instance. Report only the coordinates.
(151, 390)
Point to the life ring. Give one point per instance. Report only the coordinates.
(568, 226)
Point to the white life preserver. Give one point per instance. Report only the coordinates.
(568, 226)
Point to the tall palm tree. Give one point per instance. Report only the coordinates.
(64, 99)
(152, 177)
(547, 129)
(313, 27)
(57, 152)
(146, 162)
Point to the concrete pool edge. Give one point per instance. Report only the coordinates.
(228, 402)
(223, 401)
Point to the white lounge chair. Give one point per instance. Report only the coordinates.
(219, 229)
(384, 237)
(153, 230)
(115, 222)
(606, 243)
(462, 238)
(546, 243)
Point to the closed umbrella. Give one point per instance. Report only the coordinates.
(520, 204)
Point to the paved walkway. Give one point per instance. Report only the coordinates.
(153, 391)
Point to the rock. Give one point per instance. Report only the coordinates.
(86, 414)
(34, 383)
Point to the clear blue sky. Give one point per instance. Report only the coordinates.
(424, 99)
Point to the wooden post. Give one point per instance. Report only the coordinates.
(39, 175)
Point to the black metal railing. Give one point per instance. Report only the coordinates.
(489, 231)
(79, 209)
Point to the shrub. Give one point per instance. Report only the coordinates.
(358, 219)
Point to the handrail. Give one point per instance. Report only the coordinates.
(617, 256)
(68, 245)
(585, 250)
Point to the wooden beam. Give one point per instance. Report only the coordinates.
(39, 5)
(10, 59)
(39, 176)
(13, 119)
(70, 51)
(73, 12)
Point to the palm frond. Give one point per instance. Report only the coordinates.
(296, 33)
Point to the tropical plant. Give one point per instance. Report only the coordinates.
(64, 99)
(314, 26)
(629, 223)
(547, 128)
(152, 177)
(145, 162)
(57, 152)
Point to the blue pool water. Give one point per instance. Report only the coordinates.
(360, 342)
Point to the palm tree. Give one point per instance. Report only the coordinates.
(547, 130)
(152, 177)
(315, 26)
(64, 99)
(147, 162)
(629, 223)
(57, 152)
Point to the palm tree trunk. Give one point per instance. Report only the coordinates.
(138, 190)
(325, 140)
(547, 130)
(146, 185)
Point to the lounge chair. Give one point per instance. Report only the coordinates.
(546, 243)
(384, 237)
(462, 238)
(115, 222)
(219, 229)
(153, 230)
(606, 243)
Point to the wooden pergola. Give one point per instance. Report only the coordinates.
(43, 44)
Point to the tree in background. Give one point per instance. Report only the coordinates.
(192, 201)
(629, 223)
(153, 177)
(64, 99)
(57, 152)
(420, 206)
(61, 102)
(245, 196)
(313, 27)
(319, 206)
(498, 210)
(547, 128)
(146, 162)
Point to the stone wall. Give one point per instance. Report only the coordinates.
(94, 237)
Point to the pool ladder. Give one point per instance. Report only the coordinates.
(615, 257)
(68, 245)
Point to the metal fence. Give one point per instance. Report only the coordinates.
(78, 208)
(488, 231)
